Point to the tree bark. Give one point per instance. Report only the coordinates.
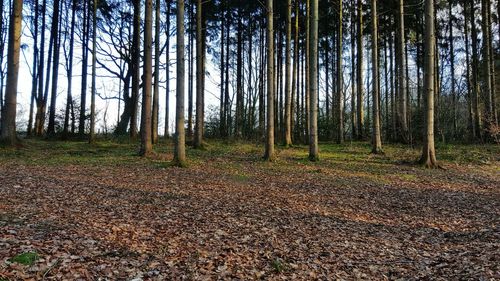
(200, 72)
(167, 90)
(92, 137)
(69, 97)
(269, 151)
(156, 92)
(377, 140)
(401, 72)
(146, 144)
(180, 137)
(428, 158)
(136, 61)
(360, 93)
(55, 70)
(288, 61)
(8, 122)
(313, 86)
(340, 78)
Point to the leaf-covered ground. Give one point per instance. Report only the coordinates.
(74, 211)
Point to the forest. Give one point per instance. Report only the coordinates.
(267, 139)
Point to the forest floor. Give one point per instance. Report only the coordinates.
(73, 211)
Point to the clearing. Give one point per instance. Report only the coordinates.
(69, 210)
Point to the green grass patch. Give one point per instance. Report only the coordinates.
(28, 258)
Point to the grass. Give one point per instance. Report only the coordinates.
(28, 258)
(353, 155)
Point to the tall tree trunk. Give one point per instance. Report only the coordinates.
(475, 71)
(69, 97)
(269, 151)
(136, 61)
(360, 93)
(452, 70)
(167, 91)
(487, 83)
(222, 112)
(146, 144)
(471, 120)
(377, 140)
(428, 152)
(8, 122)
(200, 72)
(239, 78)
(313, 86)
(180, 137)
(295, 75)
(2, 47)
(340, 76)
(35, 63)
(401, 72)
(288, 61)
(307, 101)
(354, 121)
(156, 93)
(190, 70)
(85, 47)
(55, 71)
(92, 137)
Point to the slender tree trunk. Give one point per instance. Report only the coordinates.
(85, 45)
(136, 61)
(239, 79)
(222, 113)
(35, 63)
(475, 71)
(288, 82)
(340, 78)
(452, 71)
(295, 89)
(354, 121)
(156, 91)
(313, 86)
(401, 72)
(429, 153)
(8, 122)
(360, 93)
(487, 83)
(190, 70)
(269, 151)
(200, 72)
(307, 102)
(377, 140)
(2, 47)
(167, 91)
(92, 137)
(69, 97)
(55, 71)
(471, 120)
(146, 122)
(180, 137)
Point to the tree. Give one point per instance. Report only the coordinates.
(94, 59)
(359, 74)
(376, 137)
(8, 121)
(269, 153)
(69, 97)
(340, 80)
(401, 72)
(180, 135)
(288, 61)
(156, 95)
(146, 144)
(313, 85)
(136, 61)
(167, 91)
(428, 158)
(200, 73)
(55, 71)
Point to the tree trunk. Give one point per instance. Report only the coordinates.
(92, 137)
(313, 85)
(360, 93)
(354, 121)
(8, 122)
(222, 112)
(136, 61)
(167, 90)
(146, 144)
(55, 71)
(156, 96)
(470, 107)
(288, 61)
(340, 78)
(377, 140)
(428, 158)
(239, 79)
(85, 45)
(200, 72)
(475, 72)
(180, 137)
(452, 71)
(190, 71)
(269, 152)
(69, 97)
(401, 72)
(35, 63)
